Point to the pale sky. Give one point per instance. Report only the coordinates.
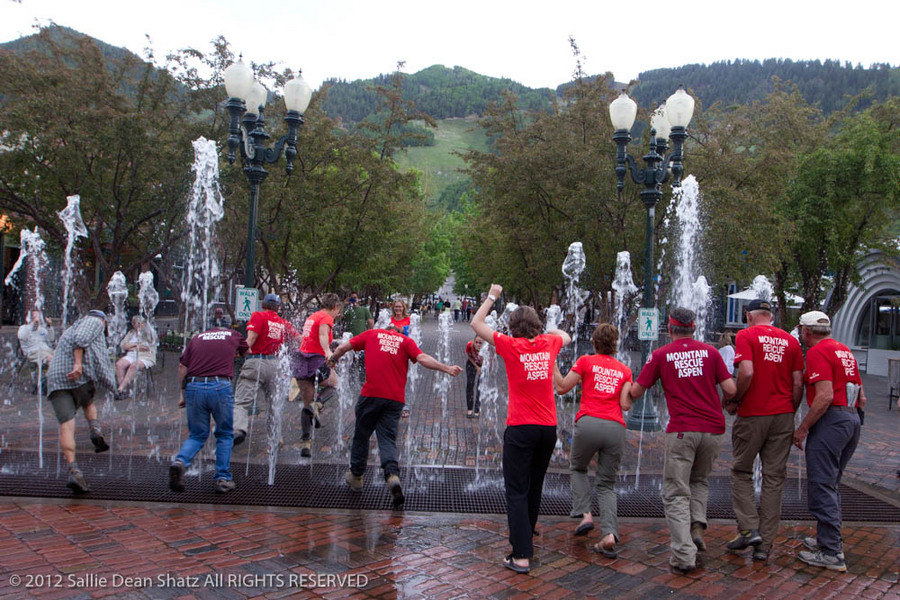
(523, 40)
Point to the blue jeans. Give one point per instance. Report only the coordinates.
(204, 400)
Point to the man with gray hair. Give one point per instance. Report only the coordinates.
(769, 388)
(690, 371)
(831, 430)
(81, 360)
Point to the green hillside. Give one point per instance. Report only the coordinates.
(439, 164)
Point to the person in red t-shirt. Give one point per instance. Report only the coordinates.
(383, 395)
(309, 369)
(400, 316)
(769, 365)
(836, 400)
(266, 332)
(689, 371)
(473, 370)
(600, 430)
(530, 435)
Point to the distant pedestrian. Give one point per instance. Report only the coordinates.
(599, 431)
(689, 371)
(205, 371)
(474, 361)
(81, 362)
(530, 436)
(388, 354)
(726, 349)
(831, 430)
(357, 318)
(457, 306)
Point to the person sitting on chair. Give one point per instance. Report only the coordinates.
(139, 346)
(36, 337)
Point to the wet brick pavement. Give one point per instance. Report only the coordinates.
(263, 552)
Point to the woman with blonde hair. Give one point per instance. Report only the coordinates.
(599, 430)
(400, 316)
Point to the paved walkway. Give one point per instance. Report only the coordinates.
(81, 548)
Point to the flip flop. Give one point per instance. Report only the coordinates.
(583, 529)
(605, 552)
(509, 563)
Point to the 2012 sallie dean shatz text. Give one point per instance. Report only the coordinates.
(210, 580)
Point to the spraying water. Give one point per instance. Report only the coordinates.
(442, 380)
(554, 317)
(690, 289)
(384, 319)
(489, 397)
(205, 209)
(626, 291)
(75, 228)
(344, 390)
(117, 290)
(572, 268)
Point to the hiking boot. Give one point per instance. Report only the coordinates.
(680, 568)
(77, 483)
(760, 554)
(176, 476)
(697, 536)
(812, 544)
(745, 539)
(239, 437)
(223, 486)
(305, 448)
(393, 483)
(820, 559)
(354, 481)
(97, 440)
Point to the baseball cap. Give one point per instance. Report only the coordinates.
(97, 313)
(815, 318)
(273, 298)
(759, 304)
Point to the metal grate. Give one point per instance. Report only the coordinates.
(427, 489)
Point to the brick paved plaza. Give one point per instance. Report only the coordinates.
(85, 548)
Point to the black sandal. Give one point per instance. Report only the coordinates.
(509, 563)
(604, 552)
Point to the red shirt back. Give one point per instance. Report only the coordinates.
(387, 361)
(689, 371)
(529, 374)
(830, 360)
(602, 379)
(310, 342)
(775, 355)
(271, 331)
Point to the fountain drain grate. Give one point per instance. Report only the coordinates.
(427, 489)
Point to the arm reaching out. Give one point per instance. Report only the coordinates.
(481, 328)
(429, 362)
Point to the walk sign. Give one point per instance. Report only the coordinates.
(245, 306)
(648, 324)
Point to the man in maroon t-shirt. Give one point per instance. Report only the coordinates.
(204, 372)
(382, 398)
(769, 387)
(266, 333)
(689, 371)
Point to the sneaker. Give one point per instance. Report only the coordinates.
(223, 486)
(176, 476)
(97, 440)
(305, 448)
(354, 481)
(239, 437)
(745, 539)
(760, 555)
(683, 569)
(77, 482)
(812, 543)
(697, 536)
(393, 482)
(820, 559)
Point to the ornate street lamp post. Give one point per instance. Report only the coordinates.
(246, 100)
(668, 121)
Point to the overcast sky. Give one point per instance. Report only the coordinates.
(523, 40)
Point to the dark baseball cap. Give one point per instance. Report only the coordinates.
(273, 298)
(759, 304)
(97, 313)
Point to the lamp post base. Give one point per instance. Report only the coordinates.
(643, 415)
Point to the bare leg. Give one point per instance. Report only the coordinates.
(121, 367)
(67, 438)
(129, 375)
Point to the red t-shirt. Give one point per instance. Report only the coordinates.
(529, 374)
(310, 342)
(400, 323)
(271, 331)
(602, 379)
(211, 353)
(473, 354)
(387, 360)
(689, 371)
(775, 355)
(830, 360)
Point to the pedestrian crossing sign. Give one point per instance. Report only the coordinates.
(648, 324)
(245, 306)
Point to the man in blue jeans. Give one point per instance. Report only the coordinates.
(204, 372)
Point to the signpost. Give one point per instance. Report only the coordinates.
(246, 305)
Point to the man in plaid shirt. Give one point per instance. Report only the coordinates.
(81, 360)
